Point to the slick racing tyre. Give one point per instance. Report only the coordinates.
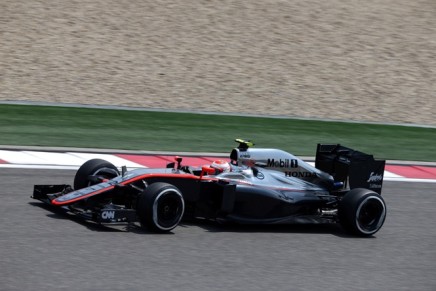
(362, 212)
(160, 207)
(93, 171)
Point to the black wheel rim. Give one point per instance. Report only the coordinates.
(169, 210)
(370, 215)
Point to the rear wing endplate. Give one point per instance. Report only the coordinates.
(355, 169)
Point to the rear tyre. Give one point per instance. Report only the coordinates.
(160, 207)
(92, 171)
(362, 212)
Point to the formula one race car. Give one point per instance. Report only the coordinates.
(257, 186)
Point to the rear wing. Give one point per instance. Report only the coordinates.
(355, 169)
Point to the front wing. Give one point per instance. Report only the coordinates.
(109, 214)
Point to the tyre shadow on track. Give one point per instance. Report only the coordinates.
(207, 225)
(62, 214)
(215, 227)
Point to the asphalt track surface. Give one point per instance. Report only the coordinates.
(44, 250)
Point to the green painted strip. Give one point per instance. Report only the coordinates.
(169, 131)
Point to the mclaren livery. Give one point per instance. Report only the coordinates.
(256, 186)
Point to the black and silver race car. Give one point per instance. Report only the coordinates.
(256, 186)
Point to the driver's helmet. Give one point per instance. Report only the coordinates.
(222, 166)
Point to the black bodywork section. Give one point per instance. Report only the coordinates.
(357, 169)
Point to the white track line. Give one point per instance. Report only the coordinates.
(413, 180)
(20, 157)
(37, 159)
(62, 167)
(57, 158)
(73, 160)
(117, 161)
(38, 167)
(390, 175)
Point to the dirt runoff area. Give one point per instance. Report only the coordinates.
(369, 60)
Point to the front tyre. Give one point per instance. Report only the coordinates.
(160, 207)
(362, 212)
(93, 172)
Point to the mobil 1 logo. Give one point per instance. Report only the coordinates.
(282, 163)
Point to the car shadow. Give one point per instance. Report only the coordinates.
(207, 225)
(216, 227)
(62, 214)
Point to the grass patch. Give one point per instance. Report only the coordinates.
(144, 130)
